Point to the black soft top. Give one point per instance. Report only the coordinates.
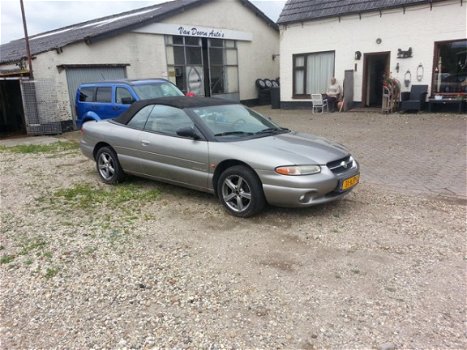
(173, 101)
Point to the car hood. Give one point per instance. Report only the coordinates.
(297, 148)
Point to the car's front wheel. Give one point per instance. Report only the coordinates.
(108, 167)
(240, 191)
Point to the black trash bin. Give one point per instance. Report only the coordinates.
(275, 97)
(264, 97)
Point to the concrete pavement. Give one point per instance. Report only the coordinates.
(421, 153)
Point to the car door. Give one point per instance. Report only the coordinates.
(123, 99)
(126, 140)
(104, 106)
(169, 157)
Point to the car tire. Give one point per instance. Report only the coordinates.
(260, 84)
(240, 191)
(268, 83)
(108, 166)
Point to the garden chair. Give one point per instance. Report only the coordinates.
(415, 100)
(319, 103)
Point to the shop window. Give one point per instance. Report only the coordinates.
(190, 41)
(179, 55)
(194, 55)
(216, 43)
(223, 60)
(216, 55)
(202, 65)
(450, 69)
(177, 40)
(312, 73)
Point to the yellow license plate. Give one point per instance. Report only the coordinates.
(347, 184)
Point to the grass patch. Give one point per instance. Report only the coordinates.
(33, 244)
(55, 147)
(84, 196)
(6, 259)
(51, 272)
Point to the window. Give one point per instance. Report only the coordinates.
(167, 120)
(86, 94)
(450, 68)
(223, 66)
(312, 73)
(122, 93)
(203, 66)
(184, 53)
(104, 94)
(139, 119)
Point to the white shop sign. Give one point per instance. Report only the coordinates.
(195, 31)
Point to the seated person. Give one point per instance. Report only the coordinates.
(333, 93)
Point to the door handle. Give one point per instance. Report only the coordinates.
(145, 143)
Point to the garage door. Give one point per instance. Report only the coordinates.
(76, 76)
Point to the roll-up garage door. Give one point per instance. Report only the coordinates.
(78, 75)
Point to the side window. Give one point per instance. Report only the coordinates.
(167, 120)
(123, 93)
(104, 94)
(86, 94)
(140, 118)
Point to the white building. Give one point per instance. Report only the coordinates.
(226, 44)
(418, 42)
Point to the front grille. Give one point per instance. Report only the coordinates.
(341, 165)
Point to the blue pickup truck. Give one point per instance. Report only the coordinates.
(109, 99)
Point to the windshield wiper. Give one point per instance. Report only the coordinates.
(227, 133)
(271, 131)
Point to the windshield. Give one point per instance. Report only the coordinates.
(156, 89)
(236, 121)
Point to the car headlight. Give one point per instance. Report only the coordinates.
(295, 170)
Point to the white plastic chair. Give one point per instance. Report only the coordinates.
(319, 103)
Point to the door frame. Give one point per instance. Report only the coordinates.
(366, 67)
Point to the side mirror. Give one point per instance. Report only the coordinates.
(188, 132)
(127, 100)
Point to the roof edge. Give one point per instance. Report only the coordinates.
(261, 14)
(423, 2)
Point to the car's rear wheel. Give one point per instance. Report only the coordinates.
(240, 191)
(108, 167)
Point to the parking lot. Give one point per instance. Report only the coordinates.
(148, 265)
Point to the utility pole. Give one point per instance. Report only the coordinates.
(26, 39)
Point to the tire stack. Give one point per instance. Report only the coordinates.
(264, 90)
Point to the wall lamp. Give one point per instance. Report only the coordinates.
(397, 67)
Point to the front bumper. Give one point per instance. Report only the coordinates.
(305, 191)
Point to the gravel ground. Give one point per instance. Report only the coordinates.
(170, 268)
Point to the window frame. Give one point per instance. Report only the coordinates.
(303, 68)
(436, 54)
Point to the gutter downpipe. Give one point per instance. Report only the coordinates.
(26, 38)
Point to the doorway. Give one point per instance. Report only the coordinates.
(375, 69)
(11, 109)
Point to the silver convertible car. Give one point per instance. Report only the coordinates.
(221, 147)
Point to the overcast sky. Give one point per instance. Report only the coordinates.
(42, 16)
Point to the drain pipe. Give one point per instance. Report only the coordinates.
(26, 38)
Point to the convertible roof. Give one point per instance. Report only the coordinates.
(173, 101)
